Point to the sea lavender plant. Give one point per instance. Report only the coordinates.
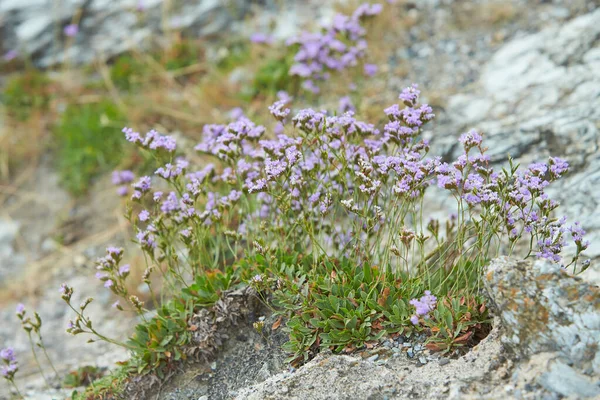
(339, 191)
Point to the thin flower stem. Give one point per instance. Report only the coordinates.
(36, 359)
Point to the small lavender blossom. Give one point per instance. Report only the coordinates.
(10, 368)
(71, 30)
(370, 69)
(144, 215)
(122, 191)
(414, 319)
(284, 96)
(558, 167)
(259, 37)
(310, 86)
(101, 276)
(470, 139)
(124, 270)
(8, 354)
(346, 105)
(278, 111)
(425, 304)
(20, 310)
(10, 55)
(236, 113)
(410, 95)
(121, 177)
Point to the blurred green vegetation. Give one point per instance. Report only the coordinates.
(273, 76)
(88, 142)
(237, 54)
(25, 92)
(182, 54)
(126, 72)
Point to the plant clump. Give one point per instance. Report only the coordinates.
(327, 224)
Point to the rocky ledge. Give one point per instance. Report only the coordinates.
(545, 345)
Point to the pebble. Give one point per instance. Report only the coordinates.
(422, 360)
(444, 361)
(410, 353)
(373, 358)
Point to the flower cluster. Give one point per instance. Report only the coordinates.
(423, 307)
(121, 179)
(10, 367)
(152, 141)
(111, 273)
(339, 46)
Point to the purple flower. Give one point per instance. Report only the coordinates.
(236, 113)
(8, 354)
(144, 215)
(279, 129)
(310, 86)
(346, 105)
(185, 232)
(121, 177)
(71, 30)
(124, 270)
(10, 55)
(414, 319)
(170, 204)
(284, 96)
(274, 168)
(410, 95)
(114, 252)
(425, 304)
(370, 69)
(470, 139)
(108, 283)
(278, 111)
(259, 37)
(122, 191)
(558, 166)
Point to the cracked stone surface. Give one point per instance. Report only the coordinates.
(546, 310)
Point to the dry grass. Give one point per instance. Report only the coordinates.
(468, 14)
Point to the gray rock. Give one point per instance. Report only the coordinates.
(10, 260)
(545, 309)
(566, 381)
(549, 314)
(106, 28)
(110, 27)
